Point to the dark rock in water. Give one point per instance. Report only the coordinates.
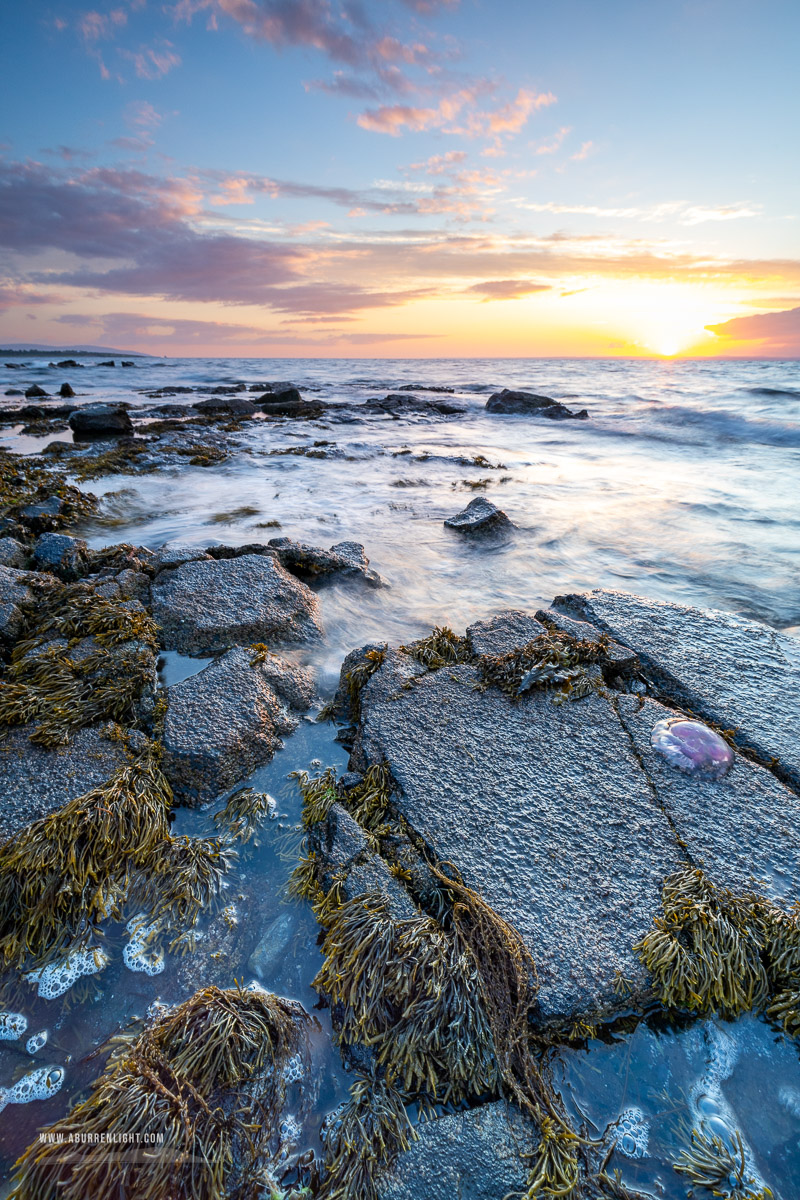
(479, 1154)
(13, 553)
(737, 673)
(227, 389)
(65, 556)
(43, 513)
(344, 560)
(13, 392)
(425, 387)
(70, 364)
(109, 363)
(479, 517)
(212, 605)
(66, 392)
(235, 406)
(286, 401)
(228, 719)
(127, 364)
(266, 960)
(527, 403)
(397, 404)
(37, 781)
(97, 419)
(35, 392)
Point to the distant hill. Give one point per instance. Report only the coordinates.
(13, 348)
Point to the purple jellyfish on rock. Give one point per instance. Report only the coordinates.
(692, 748)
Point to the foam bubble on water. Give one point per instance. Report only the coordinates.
(632, 1133)
(692, 747)
(137, 954)
(37, 1042)
(294, 1070)
(12, 1026)
(57, 978)
(40, 1084)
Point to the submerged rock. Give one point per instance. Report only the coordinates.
(736, 673)
(529, 403)
(215, 604)
(228, 719)
(397, 403)
(97, 419)
(479, 517)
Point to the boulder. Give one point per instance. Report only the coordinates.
(108, 363)
(66, 392)
(479, 517)
(175, 554)
(43, 513)
(34, 392)
(95, 420)
(69, 364)
(13, 553)
(425, 387)
(479, 1154)
(397, 403)
(127, 364)
(17, 590)
(212, 605)
(738, 673)
(65, 556)
(37, 782)
(234, 406)
(285, 401)
(229, 719)
(345, 560)
(505, 631)
(529, 403)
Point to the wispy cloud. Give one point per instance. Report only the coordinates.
(506, 289)
(153, 62)
(766, 334)
(678, 210)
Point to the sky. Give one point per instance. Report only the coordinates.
(402, 178)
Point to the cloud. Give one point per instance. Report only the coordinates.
(394, 118)
(678, 210)
(505, 289)
(553, 144)
(586, 149)
(153, 62)
(134, 328)
(438, 164)
(14, 296)
(775, 333)
(457, 113)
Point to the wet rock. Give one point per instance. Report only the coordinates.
(13, 553)
(175, 554)
(506, 631)
(266, 959)
(344, 560)
(425, 387)
(479, 1154)
(228, 719)
(12, 392)
(620, 656)
(65, 556)
(97, 419)
(69, 364)
(397, 404)
(529, 403)
(66, 392)
(127, 584)
(17, 590)
(38, 781)
(286, 401)
(35, 392)
(109, 363)
(127, 364)
(234, 406)
(43, 513)
(212, 605)
(545, 810)
(737, 673)
(479, 517)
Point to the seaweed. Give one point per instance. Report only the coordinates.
(713, 1165)
(441, 648)
(357, 678)
(553, 659)
(25, 480)
(244, 813)
(362, 1137)
(204, 1085)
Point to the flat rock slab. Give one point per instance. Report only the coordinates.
(228, 719)
(476, 1155)
(37, 782)
(738, 673)
(215, 604)
(743, 830)
(543, 808)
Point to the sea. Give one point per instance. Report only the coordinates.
(683, 484)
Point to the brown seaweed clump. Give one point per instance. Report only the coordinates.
(719, 1168)
(65, 874)
(554, 659)
(441, 648)
(244, 813)
(365, 1135)
(715, 951)
(26, 480)
(192, 1103)
(84, 659)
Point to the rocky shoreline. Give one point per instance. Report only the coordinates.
(553, 822)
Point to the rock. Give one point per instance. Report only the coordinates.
(35, 392)
(65, 556)
(506, 631)
(285, 401)
(13, 392)
(227, 720)
(478, 1155)
(43, 513)
(70, 364)
(479, 517)
(212, 605)
(234, 406)
(266, 959)
(38, 781)
(14, 592)
(527, 403)
(737, 673)
(621, 657)
(127, 364)
(13, 553)
(175, 554)
(97, 419)
(397, 403)
(109, 363)
(424, 387)
(65, 392)
(344, 560)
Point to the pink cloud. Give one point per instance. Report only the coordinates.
(771, 333)
(506, 289)
(153, 62)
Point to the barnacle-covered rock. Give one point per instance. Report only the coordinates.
(212, 605)
(229, 718)
(480, 517)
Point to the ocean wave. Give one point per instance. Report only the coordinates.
(728, 426)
